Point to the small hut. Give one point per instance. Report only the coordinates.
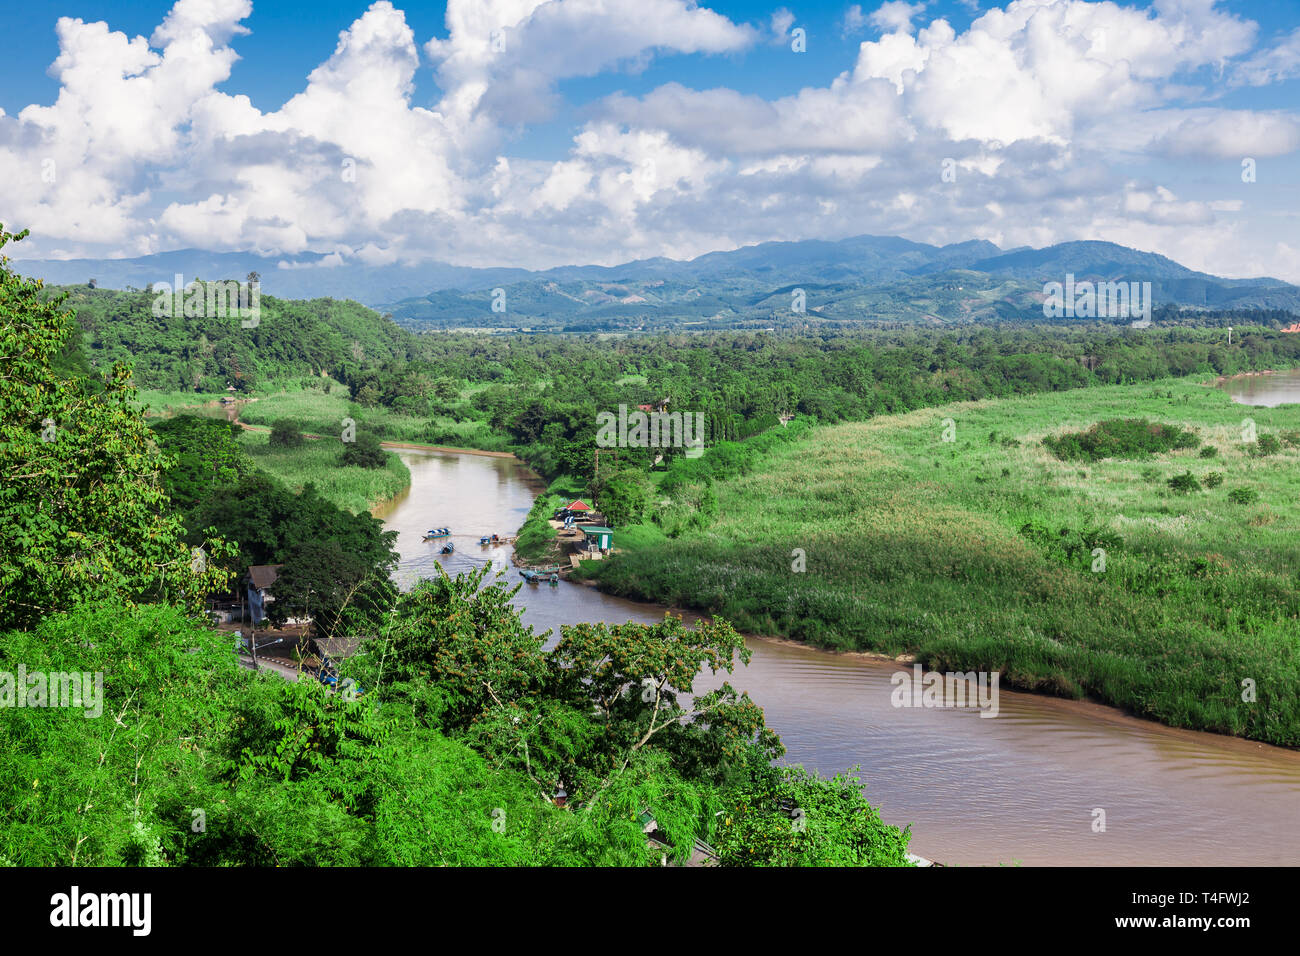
(599, 538)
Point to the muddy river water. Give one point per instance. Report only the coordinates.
(1022, 787)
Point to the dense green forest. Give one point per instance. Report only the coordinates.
(207, 353)
(467, 744)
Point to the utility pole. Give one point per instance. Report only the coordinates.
(1230, 335)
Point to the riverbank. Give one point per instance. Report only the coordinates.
(1225, 379)
(317, 462)
(1092, 580)
(976, 792)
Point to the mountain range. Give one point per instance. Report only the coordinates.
(863, 278)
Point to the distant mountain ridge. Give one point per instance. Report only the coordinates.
(858, 278)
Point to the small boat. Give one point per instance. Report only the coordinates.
(485, 540)
(495, 539)
(448, 548)
(529, 575)
(437, 533)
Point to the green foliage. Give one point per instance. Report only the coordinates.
(1212, 479)
(623, 497)
(365, 452)
(1070, 545)
(350, 487)
(1266, 445)
(635, 676)
(1208, 451)
(207, 353)
(828, 823)
(91, 790)
(206, 455)
(1126, 438)
(286, 433)
(268, 523)
(340, 591)
(536, 540)
(1184, 483)
(1243, 496)
(466, 640)
(83, 511)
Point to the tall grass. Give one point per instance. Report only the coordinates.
(323, 414)
(912, 543)
(353, 488)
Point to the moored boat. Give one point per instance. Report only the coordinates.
(433, 533)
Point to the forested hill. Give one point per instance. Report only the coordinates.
(207, 353)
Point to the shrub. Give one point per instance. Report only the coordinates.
(1266, 445)
(1120, 438)
(1212, 479)
(1208, 451)
(1242, 496)
(1182, 484)
(286, 433)
(365, 452)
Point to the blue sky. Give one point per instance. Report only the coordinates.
(604, 130)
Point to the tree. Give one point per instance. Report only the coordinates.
(206, 454)
(468, 640)
(365, 452)
(285, 433)
(788, 816)
(624, 497)
(83, 513)
(268, 521)
(633, 677)
(336, 588)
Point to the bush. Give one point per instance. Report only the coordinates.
(1208, 451)
(1120, 438)
(1212, 479)
(1182, 484)
(286, 433)
(1265, 445)
(1243, 496)
(365, 452)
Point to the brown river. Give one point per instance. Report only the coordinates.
(1271, 390)
(1021, 787)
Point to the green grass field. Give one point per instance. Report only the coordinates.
(914, 544)
(354, 488)
(323, 414)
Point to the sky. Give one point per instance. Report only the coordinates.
(536, 134)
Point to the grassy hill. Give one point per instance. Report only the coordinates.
(978, 553)
(208, 353)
